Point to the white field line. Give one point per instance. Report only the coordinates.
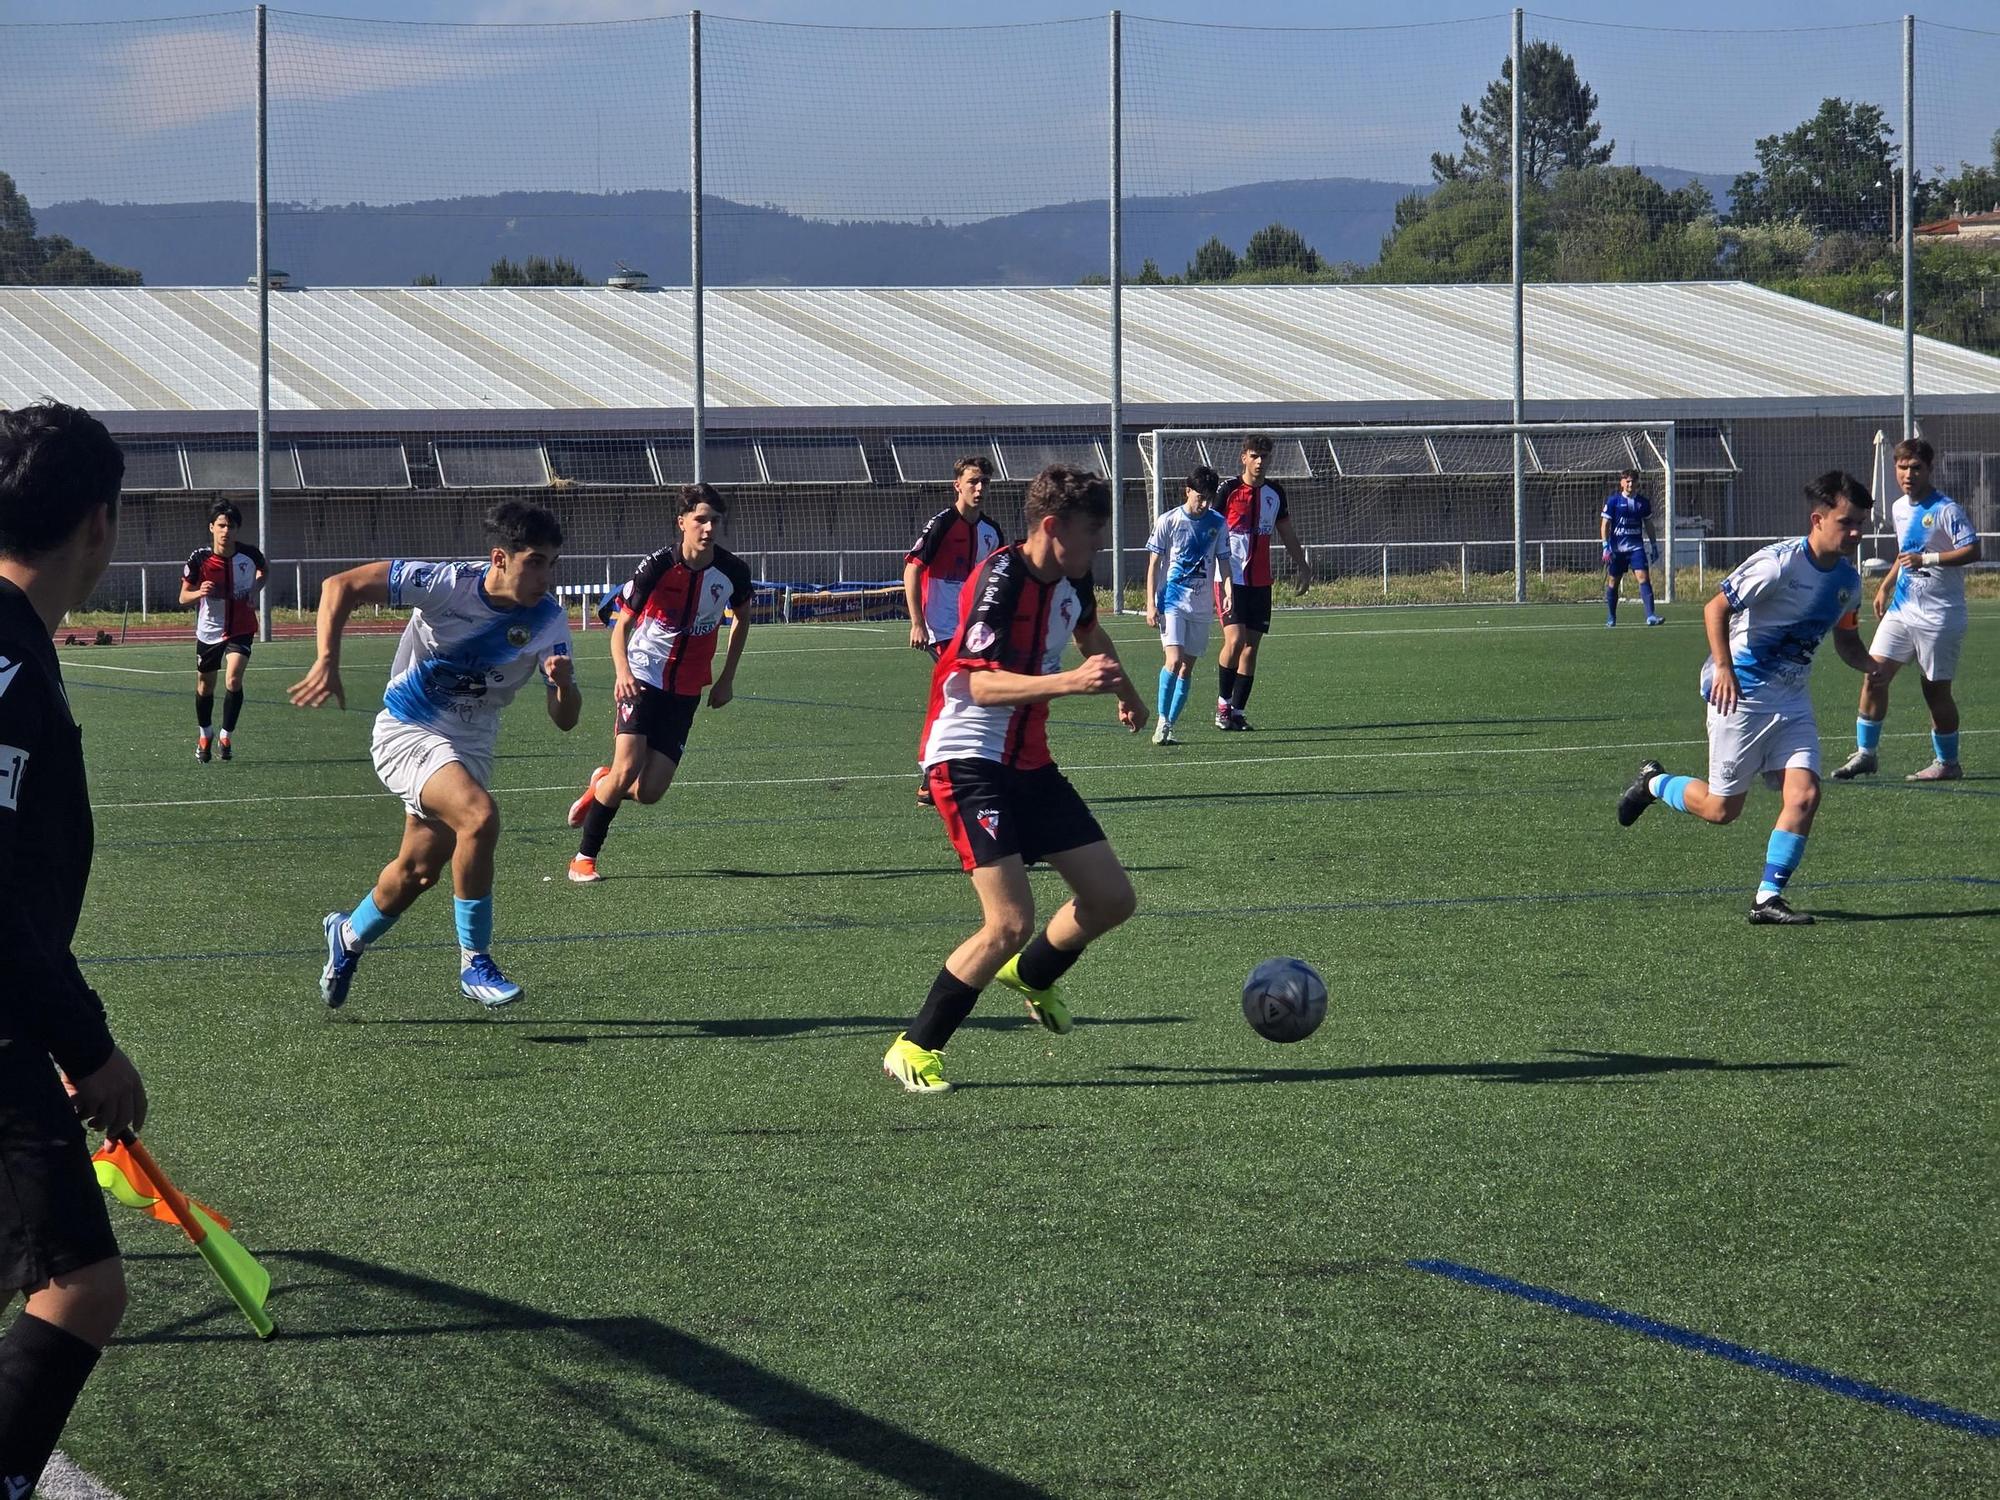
(63, 1480)
(1160, 765)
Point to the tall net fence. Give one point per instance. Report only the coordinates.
(1958, 172)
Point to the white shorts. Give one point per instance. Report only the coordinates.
(408, 755)
(1754, 741)
(1185, 628)
(1935, 647)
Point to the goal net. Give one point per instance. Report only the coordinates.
(1429, 514)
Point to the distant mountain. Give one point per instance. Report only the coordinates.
(1717, 183)
(456, 240)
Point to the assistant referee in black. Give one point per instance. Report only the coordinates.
(59, 478)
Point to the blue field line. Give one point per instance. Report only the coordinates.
(1179, 914)
(1701, 1343)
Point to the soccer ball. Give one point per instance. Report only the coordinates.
(1284, 1000)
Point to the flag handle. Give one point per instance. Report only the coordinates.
(185, 1216)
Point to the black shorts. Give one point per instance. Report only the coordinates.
(992, 811)
(208, 654)
(664, 718)
(52, 1217)
(1250, 607)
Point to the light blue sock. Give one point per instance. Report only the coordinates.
(475, 923)
(1179, 699)
(1646, 596)
(1781, 858)
(1671, 790)
(367, 921)
(1167, 680)
(1946, 745)
(1868, 734)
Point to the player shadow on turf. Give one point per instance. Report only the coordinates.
(1824, 914)
(1564, 1065)
(734, 1028)
(644, 1346)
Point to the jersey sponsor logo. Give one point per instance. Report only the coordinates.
(1067, 611)
(12, 761)
(7, 671)
(980, 637)
(517, 636)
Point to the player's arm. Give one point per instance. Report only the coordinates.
(724, 686)
(1096, 645)
(259, 563)
(624, 686)
(1152, 590)
(1847, 641)
(1604, 533)
(1653, 536)
(190, 590)
(1723, 690)
(1302, 573)
(367, 584)
(913, 600)
(1956, 557)
(1886, 589)
(565, 699)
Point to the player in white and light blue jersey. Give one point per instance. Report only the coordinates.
(1921, 604)
(1764, 624)
(1624, 526)
(1179, 557)
(478, 631)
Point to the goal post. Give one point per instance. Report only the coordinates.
(1416, 504)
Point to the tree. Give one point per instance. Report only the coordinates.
(536, 271)
(429, 278)
(1275, 247)
(1618, 224)
(31, 259)
(1457, 233)
(1149, 274)
(1833, 172)
(1559, 130)
(1214, 261)
(1975, 190)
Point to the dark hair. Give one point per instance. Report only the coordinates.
(57, 464)
(223, 508)
(1836, 485)
(1257, 443)
(977, 461)
(1631, 474)
(518, 526)
(1203, 480)
(1061, 491)
(1916, 448)
(697, 494)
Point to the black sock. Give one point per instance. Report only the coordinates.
(1225, 681)
(596, 824)
(1042, 963)
(950, 1001)
(232, 708)
(204, 711)
(42, 1371)
(1241, 694)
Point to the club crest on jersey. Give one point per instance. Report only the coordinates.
(990, 821)
(517, 636)
(980, 637)
(1068, 609)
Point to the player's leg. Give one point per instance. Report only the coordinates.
(236, 658)
(419, 863)
(1893, 647)
(1614, 569)
(1246, 673)
(1233, 637)
(1007, 921)
(204, 707)
(457, 798)
(1736, 744)
(934, 650)
(1645, 581)
(1173, 683)
(651, 739)
(1060, 828)
(1937, 658)
(1787, 849)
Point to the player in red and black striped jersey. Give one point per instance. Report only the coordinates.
(952, 543)
(663, 652)
(1254, 508)
(221, 580)
(985, 752)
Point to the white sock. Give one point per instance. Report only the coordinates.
(466, 956)
(349, 939)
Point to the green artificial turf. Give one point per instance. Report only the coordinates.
(664, 1228)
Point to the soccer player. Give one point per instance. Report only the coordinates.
(1921, 604)
(1003, 802)
(662, 655)
(221, 580)
(1253, 507)
(477, 632)
(1764, 624)
(1625, 526)
(1179, 555)
(59, 478)
(951, 545)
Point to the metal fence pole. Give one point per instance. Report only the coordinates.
(1673, 510)
(1909, 227)
(263, 306)
(1520, 336)
(697, 353)
(1116, 457)
(144, 615)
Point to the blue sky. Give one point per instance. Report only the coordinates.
(126, 104)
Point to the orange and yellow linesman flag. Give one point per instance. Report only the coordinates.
(127, 1171)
